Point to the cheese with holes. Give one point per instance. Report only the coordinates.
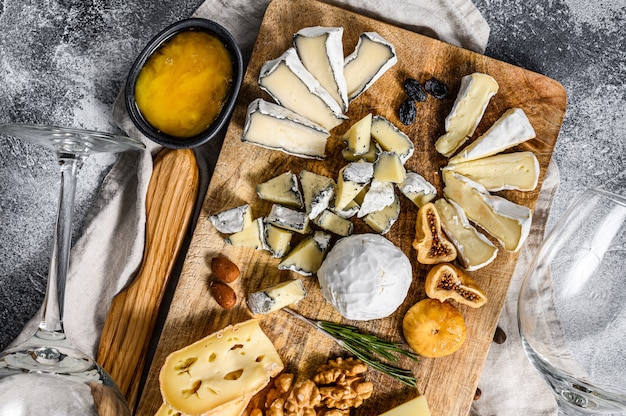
(321, 52)
(392, 139)
(307, 256)
(288, 82)
(230, 365)
(511, 129)
(379, 195)
(471, 102)
(351, 180)
(473, 248)
(289, 219)
(334, 223)
(389, 168)
(232, 220)
(358, 137)
(274, 127)
(381, 221)
(417, 189)
(414, 407)
(277, 240)
(371, 58)
(506, 221)
(518, 170)
(251, 236)
(282, 189)
(318, 190)
(276, 297)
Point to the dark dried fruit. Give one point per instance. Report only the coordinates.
(407, 112)
(499, 336)
(477, 394)
(414, 89)
(436, 88)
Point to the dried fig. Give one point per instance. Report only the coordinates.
(446, 281)
(431, 244)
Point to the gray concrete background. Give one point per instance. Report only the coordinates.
(63, 62)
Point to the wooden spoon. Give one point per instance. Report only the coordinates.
(132, 317)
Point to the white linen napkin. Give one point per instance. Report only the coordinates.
(109, 253)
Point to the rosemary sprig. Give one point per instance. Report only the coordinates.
(368, 348)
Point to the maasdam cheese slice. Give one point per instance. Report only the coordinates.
(321, 52)
(288, 82)
(277, 128)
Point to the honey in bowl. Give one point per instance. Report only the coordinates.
(182, 87)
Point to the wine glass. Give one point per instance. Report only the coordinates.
(572, 307)
(47, 375)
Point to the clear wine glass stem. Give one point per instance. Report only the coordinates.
(51, 326)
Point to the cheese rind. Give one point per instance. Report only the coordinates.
(282, 189)
(276, 297)
(307, 256)
(511, 129)
(274, 127)
(391, 138)
(471, 102)
(232, 220)
(414, 407)
(379, 196)
(371, 58)
(321, 52)
(318, 190)
(382, 221)
(417, 189)
(288, 219)
(518, 170)
(230, 365)
(288, 82)
(351, 180)
(277, 240)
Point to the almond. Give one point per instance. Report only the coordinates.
(223, 294)
(224, 270)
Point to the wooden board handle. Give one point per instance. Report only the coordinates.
(132, 317)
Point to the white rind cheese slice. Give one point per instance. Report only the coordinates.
(468, 109)
(277, 240)
(371, 58)
(389, 168)
(474, 249)
(321, 52)
(379, 195)
(232, 220)
(414, 407)
(518, 171)
(334, 223)
(417, 189)
(359, 137)
(251, 236)
(276, 297)
(282, 189)
(228, 366)
(511, 129)
(381, 221)
(288, 82)
(392, 139)
(506, 221)
(307, 256)
(351, 180)
(318, 190)
(274, 127)
(288, 219)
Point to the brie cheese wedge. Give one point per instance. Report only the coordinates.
(318, 190)
(417, 189)
(506, 221)
(321, 52)
(352, 179)
(274, 127)
(288, 82)
(471, 102)
(381, 221)
(391, 139)
(282, 189)
(371, 58)
(232, 220)
(306, 257)
(276, 297)
(511, 129)
(288, 219)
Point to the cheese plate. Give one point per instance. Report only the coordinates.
(448, 383)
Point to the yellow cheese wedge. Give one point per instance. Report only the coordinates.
(226, 367)
(518, 170)
(358, 136)
(306, 257)
(474, 94)
(251, 236)
(415, 407)
(282, 189)
(332, 222)
(389, 168)
(381, 221)
(276, 297)
(277, 240)
(351, 180)
(391, 138)
(370, 156)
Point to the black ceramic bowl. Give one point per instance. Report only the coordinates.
(166, 34)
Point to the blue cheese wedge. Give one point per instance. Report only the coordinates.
(389, 168)
(392, 139)
(468, 109)
(473, 248)
(334, 223)
(276, 297)
(518, 171)
(318, 190)
(358, 137)
(351, 180)
(321, 52)
(382, 221)
(282, 189)
(506, 221)
(232, 220)
(288, 219)
(417, 189)
(274, 127)
(306, 257)
(251, 236)
(371, 58)
(379, 195)
(277, 240)
(511, 129)
(288, 82)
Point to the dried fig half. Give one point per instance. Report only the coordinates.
(446, 281)
(430, 242)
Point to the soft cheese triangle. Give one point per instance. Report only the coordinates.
(371, 58)
(227, 366)
(511, 129)
(471, 102)
(288, 82)
(275, 127)
(321, 52)
(507, 221)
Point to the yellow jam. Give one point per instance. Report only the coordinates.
(182, 87)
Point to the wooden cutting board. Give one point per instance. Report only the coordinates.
(449, 383)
